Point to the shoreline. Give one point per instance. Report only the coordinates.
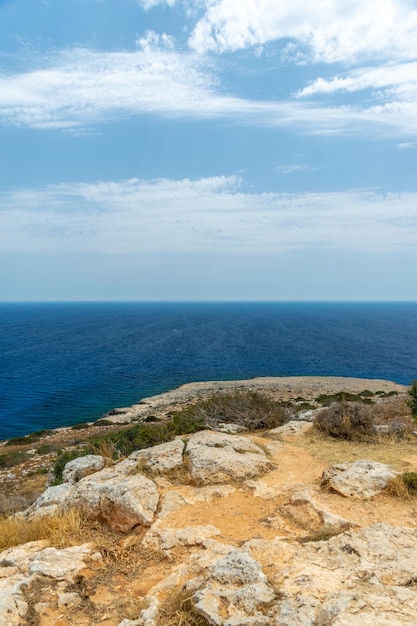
(279, 387)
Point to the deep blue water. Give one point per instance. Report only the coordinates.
(67, 363)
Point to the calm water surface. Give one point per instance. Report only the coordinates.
(67, 363)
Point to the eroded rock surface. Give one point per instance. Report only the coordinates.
(361, 479)
(218, 458)
(162, 458)
(236, 538)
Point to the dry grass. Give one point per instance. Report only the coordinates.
(178, 610)
(397, 488)
(59, 530)
(330, 451)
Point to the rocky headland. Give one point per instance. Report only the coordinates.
(225, 526)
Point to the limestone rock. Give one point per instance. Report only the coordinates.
(304, 512)
(168, 538)
(234, 591)
(21, 566)
(359, 577)
(116, 495)
(290, 430)
(161, 458)
(68, 600)
(217, 457)
(61, 564)
(50, 501)
(361, 479)
(83, 466)
(230, 428)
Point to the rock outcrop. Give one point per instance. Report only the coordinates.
(361, 479)
(229, 531)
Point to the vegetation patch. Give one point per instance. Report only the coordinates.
(27, 439)
(412, 399)
(249, 409)
(179, 609)
(352, 421)
(60, 530)
(342, 396)
(10, 459)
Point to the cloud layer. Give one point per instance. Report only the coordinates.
(205, 215)
(323, 31)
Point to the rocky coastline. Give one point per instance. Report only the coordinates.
(282, 526)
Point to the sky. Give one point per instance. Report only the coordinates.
(208, 150)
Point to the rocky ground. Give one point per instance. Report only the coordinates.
(283, 527)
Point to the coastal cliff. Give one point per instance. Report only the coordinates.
(282, 526)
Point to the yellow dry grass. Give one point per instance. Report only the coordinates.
(178, 610)
(59, 530)
(384, 450)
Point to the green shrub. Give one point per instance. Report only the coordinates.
(249, 409)
(366, 393)
(45, 448)
(410, 481)
(352, 421)
(27, 439)
(80, 426)
(412, 399)
(341, 396)
(10, 459)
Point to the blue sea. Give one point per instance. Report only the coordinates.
(72, 362)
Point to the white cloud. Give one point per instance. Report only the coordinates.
(399, 80)
(150, 4)
(78, 88)
(293, 168)
(206, 215)
(335, 30)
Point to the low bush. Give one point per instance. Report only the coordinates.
(10, 459)
(410, 481)
(80, 426)
(352, 421)
(249, 409)
(412, 398)
(28, 439)
(341, 396)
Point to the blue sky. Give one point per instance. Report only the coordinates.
(208, 150)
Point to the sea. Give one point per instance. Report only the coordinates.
(66, 363)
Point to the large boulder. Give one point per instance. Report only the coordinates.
(122, 498)
(218, 458)
(81, 467)
(360, 479)
(234, 592)
(50, 501)
(162, 458)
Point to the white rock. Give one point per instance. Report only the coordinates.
(361, 479)
(68, 600)
(235, 591)
(290, 430)
(230, 428)
(82, 466)
(63, 564)
(50, 501)
(161, 458)
(117, 495)
(216, 458)
(168, 538)
(305, 512)
(12, 604)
